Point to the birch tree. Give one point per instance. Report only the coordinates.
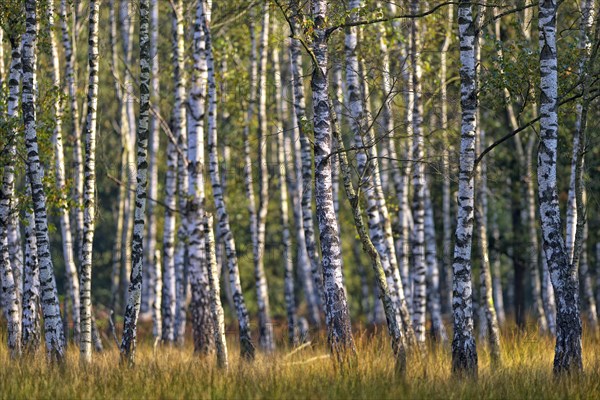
(132, 309)
(433, 274)
(246, 346)
(215, 295)
(203, 323)
(10, 298)
(89, 184)
(418, 168)
(31, 330)
(302, 150)
(567, 357)
(446, 200)
(489, 323)
(306, 155)
(151, 264)
(60, 176)
(77, 160)
(127, 130)
(288, 265)
(35, 169)
(464, 353)
(339, 331)
(585, 47)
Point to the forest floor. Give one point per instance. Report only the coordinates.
(165, 372)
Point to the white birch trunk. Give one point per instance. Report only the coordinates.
(464, 353)
(548, 296)
(433, 273)
(293, 150)
(265, 326)
(49, 299)
(132, 308)
(339, 331)
(497, 273)
(127, 130)
(89, 185)
(567, 356)
(77, 160)
(585, 47)
(157, 305)
(10, 295)
(282, 168)
(203, 325)
(394, 321)
(306, 155)
(180, 131)
(587, 292)
(446, 169)
(313, 290)
(15, 252)
(150, 263)
(117, 261)
(418, 155)
(65, 222)
(31, 332)
(215, 295)
(246, 346)
(489, 320)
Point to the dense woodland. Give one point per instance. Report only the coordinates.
(275, 172)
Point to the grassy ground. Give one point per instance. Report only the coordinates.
(177, 373)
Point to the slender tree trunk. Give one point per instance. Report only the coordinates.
(394, 321)
(203, 323)
(65, 222)
(587, 292)
(127, 129)
(402, 188)
(157, 305)
(283, 163)
(35, 170)
(497, 273)
(567, 356)
(528, 199)
(377, 207)
(302, 149)
(446, 171)
(31, 332)
(306, 154)
(10, 295)
(246, 346)
(179, 129)
(151, 264)
(548, 296)
(89, 185)
(418, 243)
(168, 287)
(77, 160)
(433, 274)
(215, 295)
(132, 308)
(533, 238)
(489, 320)
(15, 252)
(264, 319)
(339, 331)
(464, 353)
(486, 290)
(122, 199)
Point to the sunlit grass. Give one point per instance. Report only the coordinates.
(166, 372)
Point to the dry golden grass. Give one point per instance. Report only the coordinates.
(177, 373)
